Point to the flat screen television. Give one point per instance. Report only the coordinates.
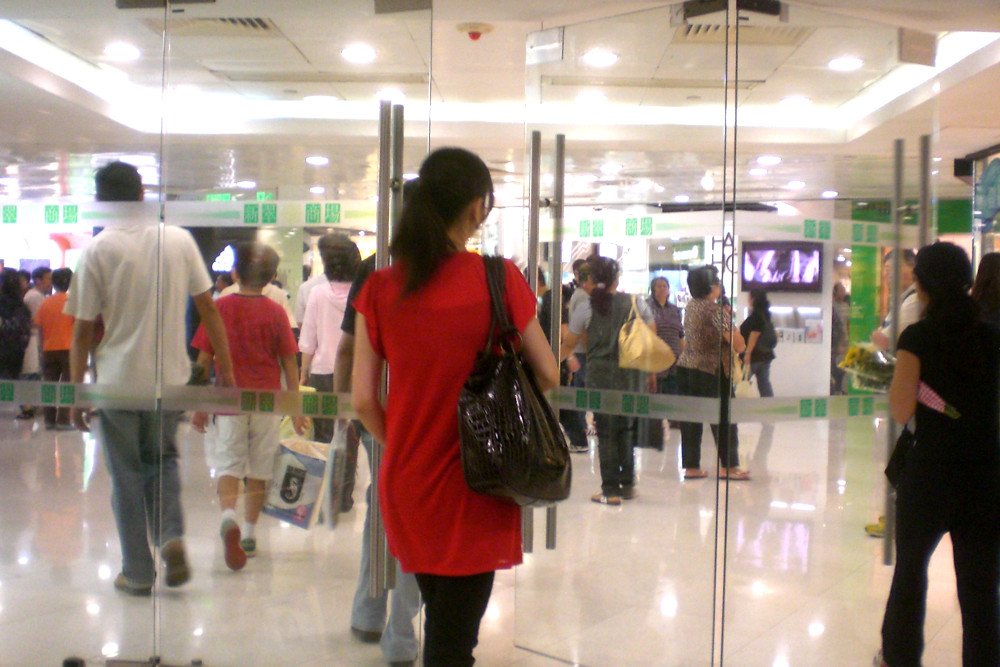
(782, 266)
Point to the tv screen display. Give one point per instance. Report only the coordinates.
(782, 266)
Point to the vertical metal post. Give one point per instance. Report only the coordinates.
(924, 221)
(558, 197)
(534, 197)
(381, 564)
(891, 430)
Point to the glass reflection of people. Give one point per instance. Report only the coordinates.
(758, 332)
(597, 322)
(669, 324)
(116, 280)
(575, 421)
(951, 479)
(986, 288)
(910, 307)
(428, 316)
(839, 337)
(704, 369)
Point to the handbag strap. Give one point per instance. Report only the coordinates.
(496, 283)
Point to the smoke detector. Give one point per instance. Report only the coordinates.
(474, 30)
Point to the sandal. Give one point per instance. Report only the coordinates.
(735, 475)
(602, 499)
(694, 473)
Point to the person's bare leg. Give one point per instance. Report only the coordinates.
(229, 492)
(254, 499)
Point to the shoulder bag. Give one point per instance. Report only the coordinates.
(640, 348)
(511, 443)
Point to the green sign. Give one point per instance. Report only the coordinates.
(642, 404)
(646, 226)
(7, 392)
(218, 196)
(71, 214)
(51, 214)
(331, 214)
(314, 213)
(824, 229)
(251, 214)
(9, 214)
(48, 394)
(265, 196)
(809, 228)
(806, 407)
(595, 400)
(584, 228)
(329, 408)
(820, 407)
(598, 228)
(310, 404)
(865, 274)
(581, 399)
(67, 394)
(628, 403)
(265, 401)
(269, 214)
(631, 226)
(248, 401)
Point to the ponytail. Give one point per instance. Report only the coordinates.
(450, 178)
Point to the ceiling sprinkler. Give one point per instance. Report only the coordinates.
(474, 30)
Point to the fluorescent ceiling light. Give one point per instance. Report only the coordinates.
(682, 199)
(390, 95)
(846, 64)
(318, 160)
(122, 52)
(600, 57)
(758, 171)
(246, 185)
(358, 53)
(795, 185)
(317, 189)
(829, 194)
(768, 160)
(592, 97)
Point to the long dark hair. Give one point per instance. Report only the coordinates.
(10, 284)
(450, 178)
(945, 274)
(604, 271)
(759, 302)
(986, 289)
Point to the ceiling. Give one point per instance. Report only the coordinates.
(234, 107)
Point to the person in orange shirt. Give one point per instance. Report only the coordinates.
(57, 335)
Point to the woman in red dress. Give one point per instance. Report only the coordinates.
(428, 316)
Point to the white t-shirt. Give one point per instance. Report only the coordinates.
(302, 296)
(272, 292)
(117, 278)
(32, 355)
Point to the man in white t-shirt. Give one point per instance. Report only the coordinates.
(142, 308)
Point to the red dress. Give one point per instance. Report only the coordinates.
(434, 523)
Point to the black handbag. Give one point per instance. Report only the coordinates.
(897, 461)
(511, 443)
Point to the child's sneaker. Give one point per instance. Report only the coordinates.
(249, 546)
(236, 558)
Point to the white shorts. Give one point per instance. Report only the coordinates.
(245, 445)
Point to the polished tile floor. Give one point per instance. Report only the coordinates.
(787, 577)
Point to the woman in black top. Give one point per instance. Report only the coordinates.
(15, 325)
(951, 480)
(761, 338)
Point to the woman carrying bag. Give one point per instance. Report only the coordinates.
(600, 320)
(428, 316)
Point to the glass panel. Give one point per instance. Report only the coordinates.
(821, 99)
(641, 100)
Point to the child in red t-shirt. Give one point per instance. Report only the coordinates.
(262, 347)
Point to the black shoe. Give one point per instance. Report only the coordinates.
(28, 413)
(366, 636)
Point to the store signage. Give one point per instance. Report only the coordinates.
(988, 193)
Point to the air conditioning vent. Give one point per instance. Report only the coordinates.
(215, 27)
(702, 33)
(645, 82)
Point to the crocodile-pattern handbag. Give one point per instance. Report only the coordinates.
(511, 443)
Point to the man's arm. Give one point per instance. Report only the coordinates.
(216, 331)
(83, 340)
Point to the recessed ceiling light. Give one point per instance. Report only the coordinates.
(592, 97)
(829, 194)
(681, 199)
(938, 159)
(768, 160)
(600, 57)
(246, 185)
(846, 64)
(661, 247)
(794, 102)
(935, 172)
(611, 168)
(122, 52)
(317, 189)
(409, 176)
(795, 185)
(758, 171)
(320, 99)
(358, 53)
(390, 95)
(318, 160)
(707, 181)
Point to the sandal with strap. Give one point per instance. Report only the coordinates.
(735, 475)
(602, 499)
(694, 473)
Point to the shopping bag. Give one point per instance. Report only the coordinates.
(747, 388)
(304, 472)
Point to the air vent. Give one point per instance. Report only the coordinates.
(637, 82)
(215, 27)
(702, 33)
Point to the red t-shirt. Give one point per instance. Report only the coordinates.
(434, 523)
(259, 335)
